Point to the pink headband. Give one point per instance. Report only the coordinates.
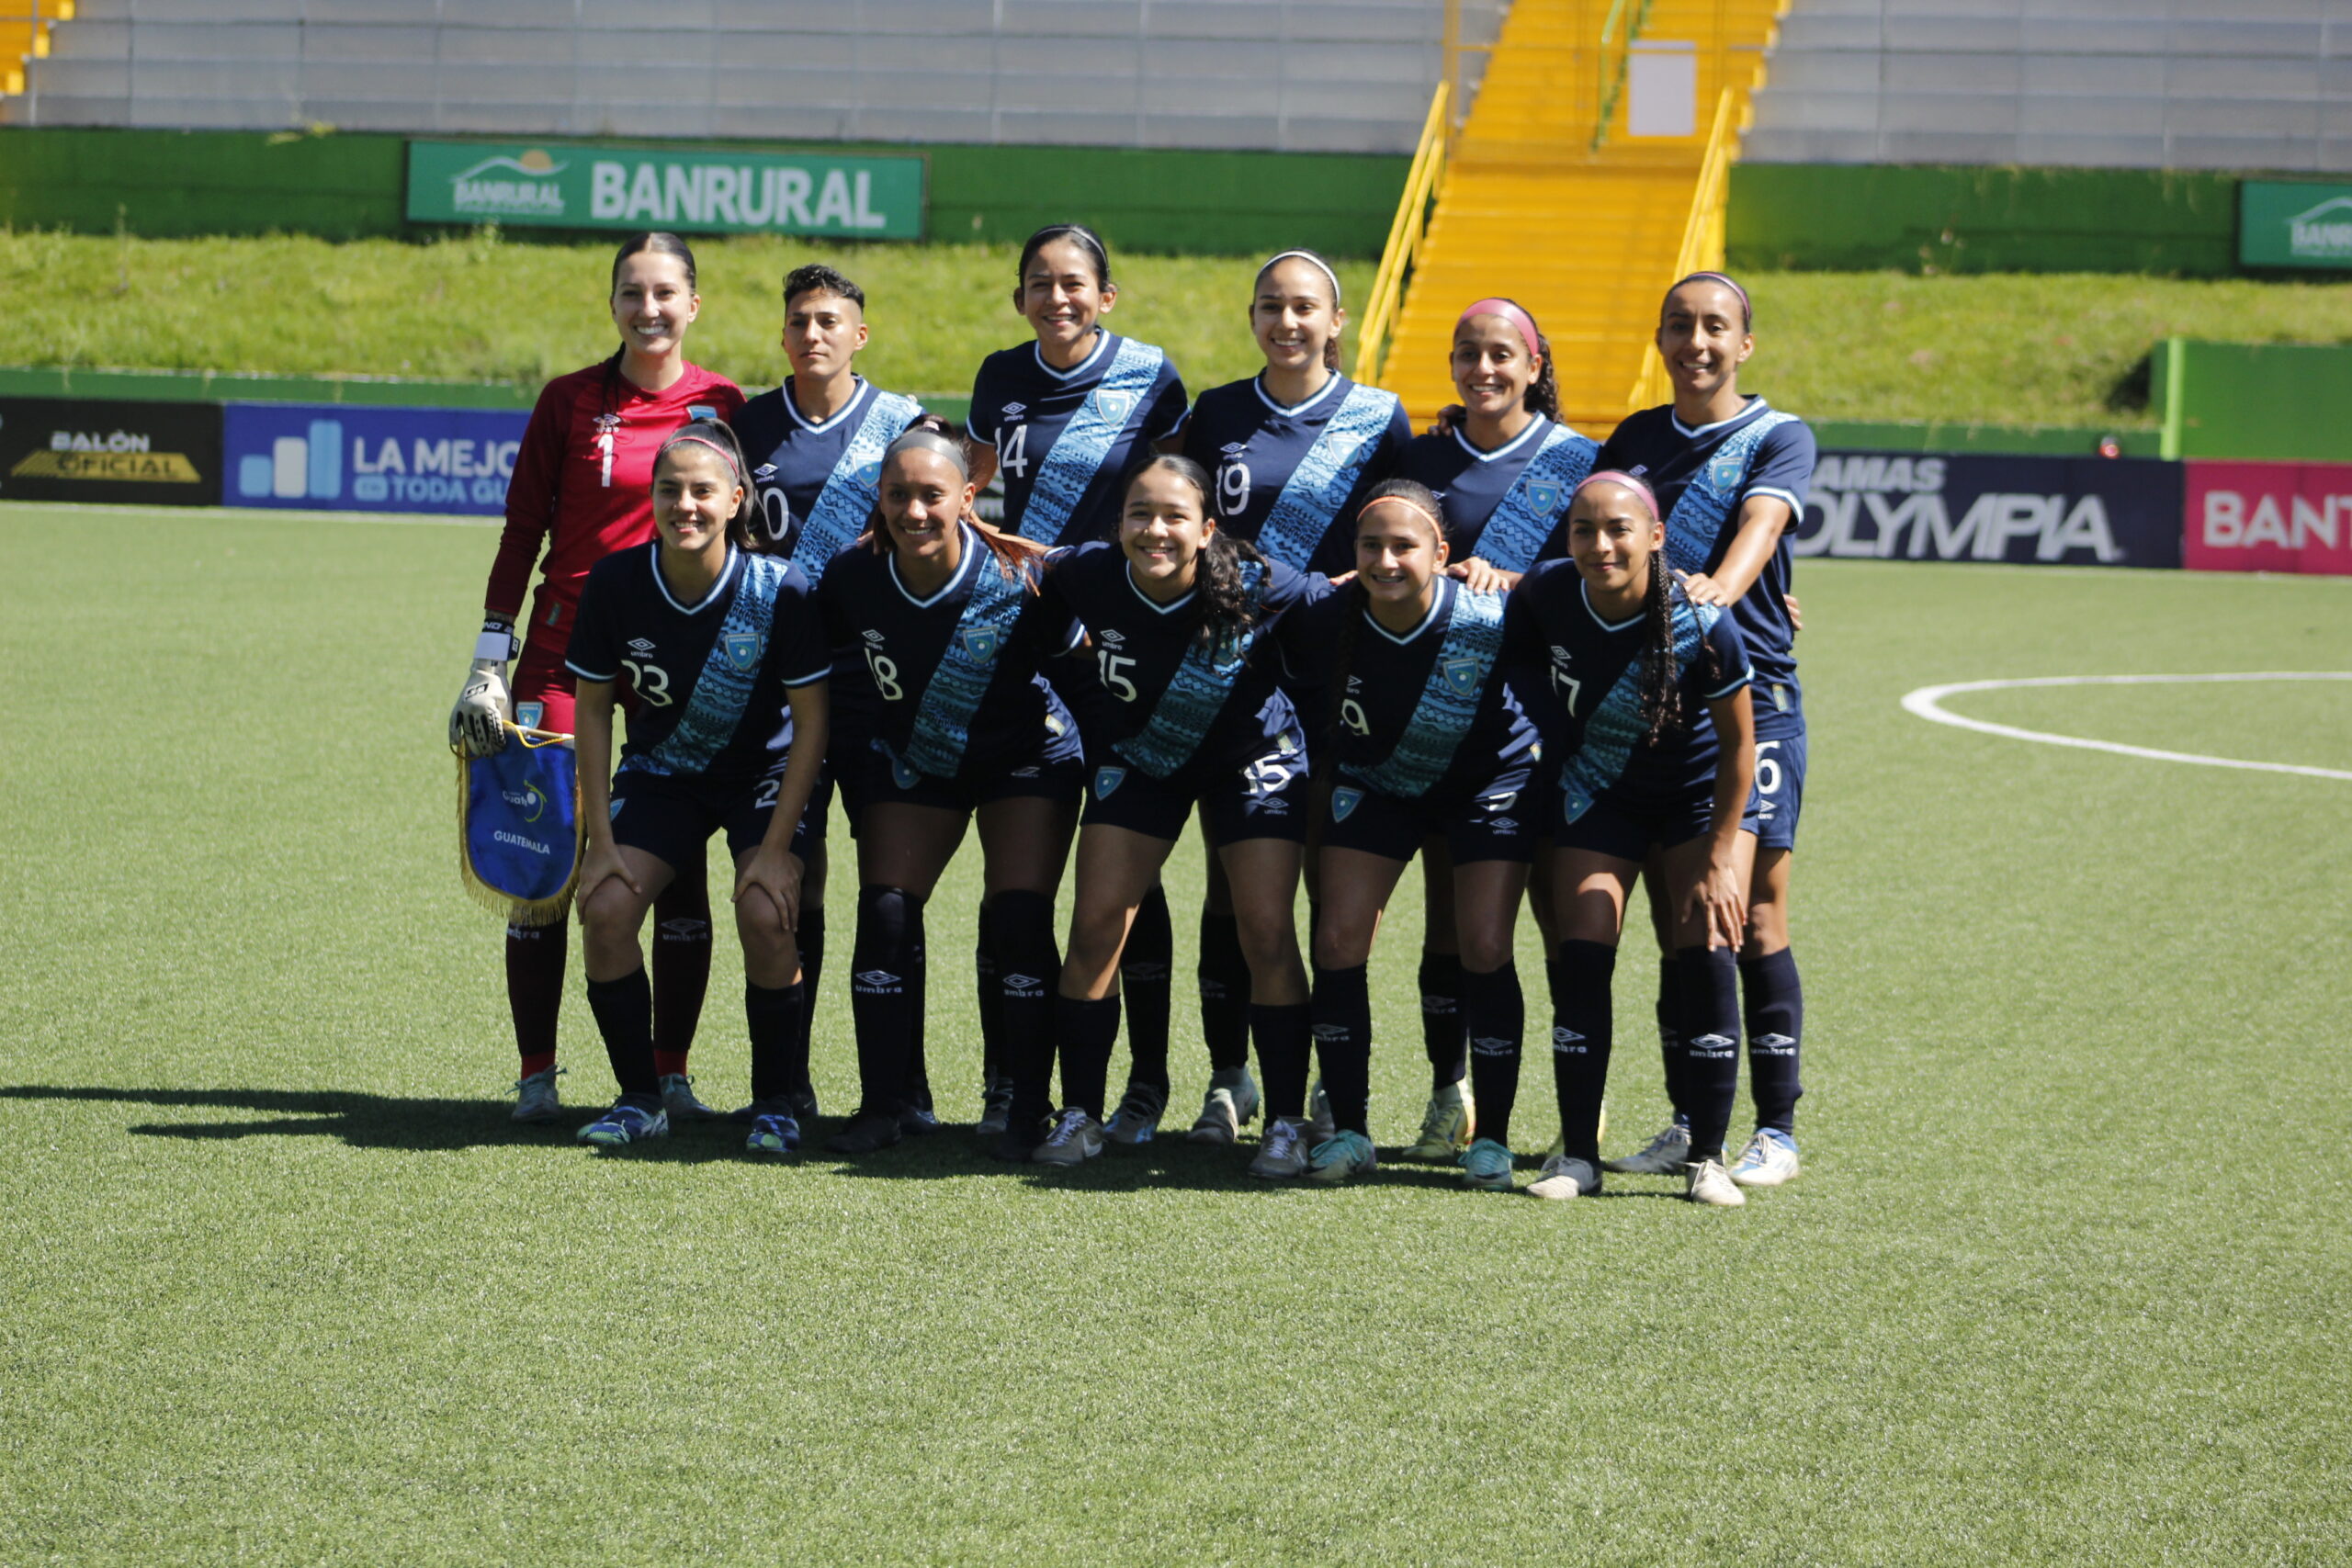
(707, 441)
(1409, 503)
(1619, 476)
(1508, 313)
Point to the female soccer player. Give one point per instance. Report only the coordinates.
(950, 630)
(1504, 468)
(579, 493)
(1065, 417)
(1733, 472)
(815, 444)
(727, 660)
(1180, 714)
(1644, 698)
(1429, 744)
(1295, 449)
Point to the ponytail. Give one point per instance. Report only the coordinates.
(1660, 685)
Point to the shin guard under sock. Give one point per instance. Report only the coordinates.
(1283, 1055)
(777, 1038)
(1709, 1028)
(1084, 1032)
(1581, 1027)
(917, 1068)
(1496, 1012)
(1224, 974)
(986, 996)
(882, 997)
(811, 935)
(535, 957)
(681, 965)
(1669, 1033)
(1020, 926)
(1144, 967)
(624, 1010)
(1444, 1036)
(1772, 1000)
(1340, 1011)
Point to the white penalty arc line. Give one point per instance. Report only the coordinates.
(1928, 704)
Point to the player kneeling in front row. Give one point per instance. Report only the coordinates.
(1643, 696)
(727, 661)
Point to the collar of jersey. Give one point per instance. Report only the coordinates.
(1533, 432)
(1330, 385)
(1438, 602)
(1102, 345)
(1584, 592)
(1692, 432)
(856, 402)
(726, 576)
(972, 551)
(1127, 569)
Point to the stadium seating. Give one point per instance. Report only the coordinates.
(2148, 84)
(1334, 75)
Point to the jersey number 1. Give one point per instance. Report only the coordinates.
(604, 446)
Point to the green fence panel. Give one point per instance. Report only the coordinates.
(2287, 402)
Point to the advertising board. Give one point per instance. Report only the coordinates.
(2052, 510)
(2283, 223)
(342, 458)
(2269, 517)
(570, 186)
(84, 449)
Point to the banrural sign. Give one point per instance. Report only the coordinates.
(567, 185)
(2282, 224)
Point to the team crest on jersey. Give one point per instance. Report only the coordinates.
(1106, 780)
(607, 423)
(701, 411)
(1116, 406)
(1544, 495)
(981, 643)
(1462, 674)
(1723, 472)
(529, 714)
(743, 650)
(1343, 803)
(870, 475)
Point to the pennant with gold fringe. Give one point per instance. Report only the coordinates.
(518, 826)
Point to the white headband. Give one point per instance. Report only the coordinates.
(1311, 259)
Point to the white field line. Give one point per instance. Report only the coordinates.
(1928, 704)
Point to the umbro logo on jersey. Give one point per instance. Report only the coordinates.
(639, 645)
(1560, 655)
(874, 638)
(1638, 469)
(1235, 448)
(1024, 773)
(1505, 824)
(764, 472)
(1115, 639)
(1355, 684)
(1013, 410)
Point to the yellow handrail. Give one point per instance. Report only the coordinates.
(1405, 233)
(1703, 244)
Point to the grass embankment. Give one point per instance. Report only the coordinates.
(2001, 349)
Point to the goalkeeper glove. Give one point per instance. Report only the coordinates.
(477, 725)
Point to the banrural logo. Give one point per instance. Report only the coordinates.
(2324, 232)
(500, 186)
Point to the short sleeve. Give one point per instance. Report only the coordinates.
(988, 404)
(1728, 670)
(805, 655)
(1783, 466)
(1170, 406)
(595, 653)
(1393, 442)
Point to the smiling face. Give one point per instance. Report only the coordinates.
(653, 303)
(923, 495)
(694, 496)
(821, 334)
(1703, 336)
(1163, 528)
(1399, 553)
(1292, 315)
(1062, 294)
(1611, 537)
(1492, 369)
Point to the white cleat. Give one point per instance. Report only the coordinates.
(1711, 1184)
(1565, 1177)
(1230, 1105)
(536, 1099)
(1769, 1160)
(1282, 1156)
(678, 1101)
(1665, 1154)
(1075, 1139)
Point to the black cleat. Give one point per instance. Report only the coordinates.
(865, 1134)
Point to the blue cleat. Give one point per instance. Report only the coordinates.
(626, 1122)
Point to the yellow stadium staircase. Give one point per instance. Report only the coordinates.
(1589, 173)
(23, 35)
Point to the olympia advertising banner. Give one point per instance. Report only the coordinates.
(2069, 511)
(85, 449)
(2269, 517)
(343, 458)
(566, 186)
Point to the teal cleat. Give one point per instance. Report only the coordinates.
(1342, 1157)
(1486, 1165)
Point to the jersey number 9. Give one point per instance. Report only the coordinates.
(1233, 489)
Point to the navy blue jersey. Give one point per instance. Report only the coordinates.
(815, 483)
(1508, 506)
(711, 676)
(1427, 714)
(1580, 677)
(1063, 437)
(1149, 693)
(948, 683)
(1700, 477)
(1306, 468)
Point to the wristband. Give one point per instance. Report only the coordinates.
(496, 643)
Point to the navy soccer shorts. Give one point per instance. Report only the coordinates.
(1499, 822)
(1265, 797)
(1627, 827)
(1779, 762)
(671, 817)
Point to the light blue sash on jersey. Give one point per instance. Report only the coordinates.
(723, 690)
(1197, 693)
(840, 511)
(943, 725)
(1529, 511)
(1326, 477)
(1697, 515)
(1474, 636)
(1078, 452)
(1616, 727)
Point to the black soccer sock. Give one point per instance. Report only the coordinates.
(986, 994)
(1084, 1033)
(1223, 976)
(1283, 1055)
(1445, 1036)
(779, 1043)
(1143, 967)
(535, 957)
(1021, 924)
(1773, 1001)
(681, 965)
(1669, 1033)
(1496, 1012)
(917, 1090)
(1581, 1025)
(810, 935)
(624, 1010)
(1710, 1029)
(882, 997)
(1341, 1010)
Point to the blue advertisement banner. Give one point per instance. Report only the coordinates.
(341, 457)
(1984, 507)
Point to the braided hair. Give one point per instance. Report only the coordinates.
(1356, 600)
(1226, 614)
(1014, 556)
(708, 433)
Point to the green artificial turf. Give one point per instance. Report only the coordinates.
(2064, 1278)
